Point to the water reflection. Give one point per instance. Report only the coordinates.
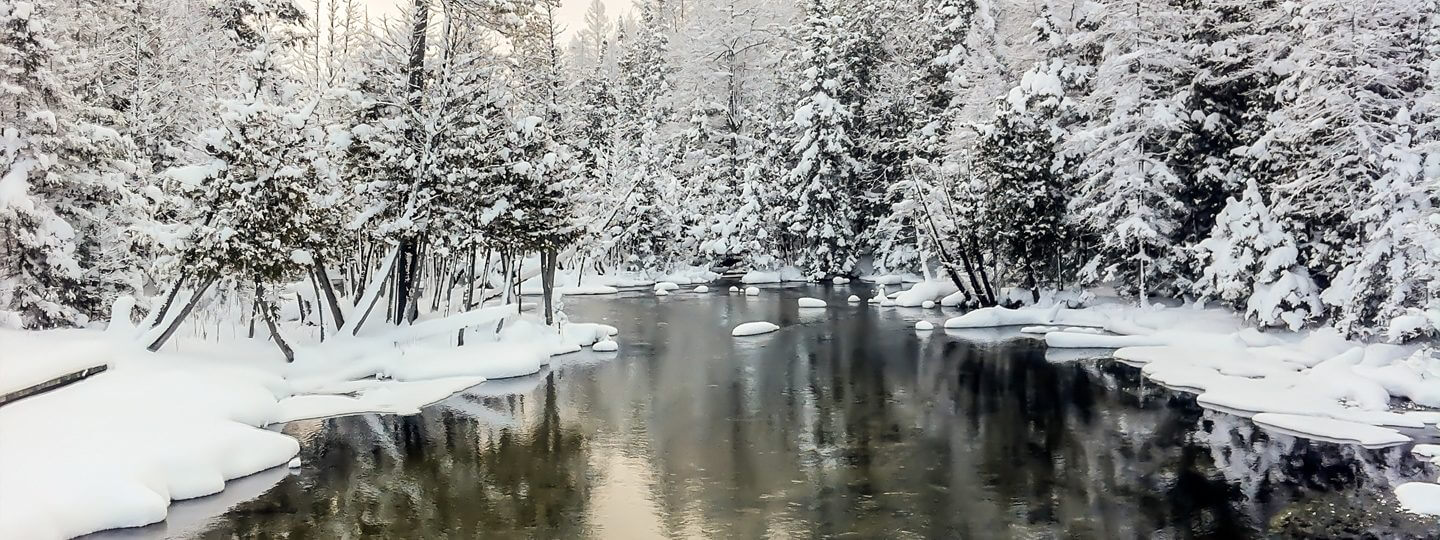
(846, 423)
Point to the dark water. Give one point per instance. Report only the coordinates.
(846, 423)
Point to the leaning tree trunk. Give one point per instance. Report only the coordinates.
(184, 312)
(267, 312)
(326, 287)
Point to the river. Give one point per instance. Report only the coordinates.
(846, 423)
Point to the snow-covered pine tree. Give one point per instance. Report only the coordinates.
(1348, 76)
(1127, 198)
(1025, 173)
(821, 208)
(1250, 262)
(645, 230)
(1383, 276)
(66, 199)
(256, 212)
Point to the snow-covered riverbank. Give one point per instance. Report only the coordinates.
(115, 449)
(1312, 383)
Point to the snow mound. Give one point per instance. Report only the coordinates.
(753, 328)
(752, 291)
(853, 299)
(808, 302)
(887, 303)
(666, 286)
(607, 345)
(734, 288)
(294, 463)
(702, 289)
(924, 325)
(662, 292)
(1329, 429)
(1419, 497)
(925, 291)
(788, 273)
(928, 304)
(840, 280)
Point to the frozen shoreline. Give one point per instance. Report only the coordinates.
(170, 423)
(1310, 384)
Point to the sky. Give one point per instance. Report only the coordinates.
(572, 12)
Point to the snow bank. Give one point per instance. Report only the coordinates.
(608, 345)
(63, 352)
(788, 273)
(1329, 429)
(666, 286)
(925, 291)
(133, 439)
(753, 328)
(1419, 497)
(808, 302)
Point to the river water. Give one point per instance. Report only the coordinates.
(846, 423)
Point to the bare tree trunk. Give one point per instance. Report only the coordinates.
(184, 312)
(268, 313)
(547, 282)
(324, 278)
(319, 312)
(158, 316)
(254, 308)
(469, 293)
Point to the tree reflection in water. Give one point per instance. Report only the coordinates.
(846, 423)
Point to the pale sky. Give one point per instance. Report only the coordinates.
(572, 12)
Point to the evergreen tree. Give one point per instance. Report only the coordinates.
(1250, 263)
(821, 213)
(66, 199)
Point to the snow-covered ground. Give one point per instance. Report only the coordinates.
(115, 449)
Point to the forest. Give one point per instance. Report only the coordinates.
(1281, 158)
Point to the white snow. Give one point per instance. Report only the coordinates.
(840, 280)
(734, 288)
(924, 325)
(1329, 429)
(925, 291)
(61, 355)
(702, 289)
(666, 286)
(788, 273)
(753, 328)
(928, 304)
(854, 299)
(662, 292)
(1419, 497)
(808, 302)
(294, 463)
(608, 345)
(752, 291)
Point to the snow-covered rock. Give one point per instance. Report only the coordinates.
(840, 280)
(1419, 497)
(734, 288)
(924, 326)
(702, 289)
(887, 303)
(294, 463)
(753, 328)
(666, 286)
(752, 291)
(1329, 429)
(928, 304)
(662, 292)
(607, 345)
(854, 299)
(925, 291)
(808, 302)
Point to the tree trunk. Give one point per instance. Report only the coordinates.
(268, 313)
(469, 294)
(184, 312)
(158, 316)
(325, 286)
(547, 282)
(319, 311)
